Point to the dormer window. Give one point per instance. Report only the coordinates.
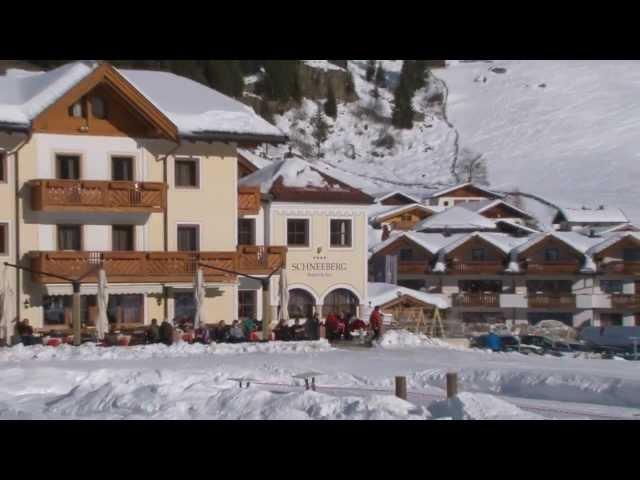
(98, 107)
(551, 255)
(478, 255)
(77, 110)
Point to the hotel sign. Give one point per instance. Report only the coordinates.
(317, 268)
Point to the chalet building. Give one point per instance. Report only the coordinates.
(463, 193)
(402, 217)
(493, 277)
(396, 198)
(569, 219)
(323, 224)
(136, 171)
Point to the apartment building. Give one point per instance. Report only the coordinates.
(133, 171)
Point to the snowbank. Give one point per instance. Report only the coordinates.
(398, 339)
(479, 406)
(90, 351)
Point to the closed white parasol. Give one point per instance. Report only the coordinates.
(102, 322)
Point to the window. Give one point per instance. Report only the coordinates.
(187, 173)
(406, 217)
(58, 310)
(631, 255)
(551, 255)
(298, 232)
(611, 320)
(341, 233)
(247, 304)
(69, 237)
(478, 255)
(611, 286)
(480, 286)
(98, 108)
(246, 231)
(553, 287)
(126, 309)
(122, 169)
(122, 238)
(185, 308)
(3, 167)
(340, 301)
(301, 304)
(188, 238)
(406, 255)
(77, 110)
(4, 239)
(68, 167)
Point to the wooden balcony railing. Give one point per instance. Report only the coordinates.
(153, 267)
(625, 301)
(551, 300)
(476, 267)
(552, 267)
(413, 266)
(476, 300)
(97, 196)
(248, 200)
(621, 267)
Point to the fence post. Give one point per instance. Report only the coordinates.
(401, 387)
(452, 385)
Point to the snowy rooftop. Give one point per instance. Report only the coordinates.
(431, 242)
(502, 241)
(444, 191)
(254, 159)
(194, 108)
(484, 205)
(381, 293)
(381, 196)
(575, 240)
(456, 218)
(390, 210)
(598, 215)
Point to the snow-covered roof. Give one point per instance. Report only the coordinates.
(502, 241)
(391, 211)
(515, 225)
(578, 242)
(456, 218)
(453, 188)
(382, 196)
(483, 205)
(195, 109)
(612, 239)
(431, 242)
(381, 293)
(254, 159)
(598, 215)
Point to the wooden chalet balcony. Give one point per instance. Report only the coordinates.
(413, 266)
(552, 267)
(474, 268)
(97, 196)
(552, 300)
(623, 302)
(476, 300)
(404, 225)
(625, 268)
(248, 200)
(156, 267)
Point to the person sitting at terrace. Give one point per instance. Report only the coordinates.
(297, 330)
(152, 334)
(221, 333)
(202, 335)
(312, 327)
(25, 333)
(282, 331)
(333, 327)
(235, 333)
(356, 325)
(166, 332)
(248, 327)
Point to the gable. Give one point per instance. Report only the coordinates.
(477, 242)
(503, 210)
(410, 215)
(551, 242)
(469, 191)
(616, 249)
(128, 112)
(397, 199)
(403, 242)
(405, 301)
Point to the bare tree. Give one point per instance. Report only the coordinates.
(471, 167)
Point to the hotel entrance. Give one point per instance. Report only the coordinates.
(340, 301)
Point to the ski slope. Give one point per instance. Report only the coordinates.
(568, 131)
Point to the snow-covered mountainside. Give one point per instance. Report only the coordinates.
(561, 130)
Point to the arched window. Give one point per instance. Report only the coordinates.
(98, 108)
(77, 110)
(301, 304)
(340, 301)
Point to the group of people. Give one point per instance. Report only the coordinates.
(297, 332)
(24, 334)
(237, 332)
(342, 327)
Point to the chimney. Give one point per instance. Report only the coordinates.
(385, 232)
(592, 233)
(446, 232)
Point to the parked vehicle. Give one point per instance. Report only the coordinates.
(509, 343)
(548, 345)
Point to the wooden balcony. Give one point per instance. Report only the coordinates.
(552, 300)
(552, 267)
(476, 300)
(625, 302)
(413, 266)
(156, 267)
(623, 268)
(248, 200)
(97, 196)
(477, 268)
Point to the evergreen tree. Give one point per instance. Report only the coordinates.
(280, 81)
(371, 70)
(224, 76)
(320, 130)
(330, 106)
(350, 88)
(380, 78)
(402, 116)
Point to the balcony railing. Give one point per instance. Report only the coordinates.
(476, 300)
(552, 300)
(552, 267)
(97, 196)
(154, 267)
(621, 267)
(623, 301)
(470, 268)
(413, 266)
(248, 200)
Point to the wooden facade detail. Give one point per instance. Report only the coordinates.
(467, 191)
(552, 300)
(501, 210)
(248, 200)
(533, 260)
(156, 267)
(621, 267)
(625, 301)
(461, 259)
(552, 267)
(414, 267)
(97, 196)
(476, 268)
(476, 300)
(397, 199)
(405, 219)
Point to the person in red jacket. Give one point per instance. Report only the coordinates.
(332, 327)
(355, 325)
(375, 323)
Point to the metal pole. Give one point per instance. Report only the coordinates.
(76, 315)
(266, 311)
